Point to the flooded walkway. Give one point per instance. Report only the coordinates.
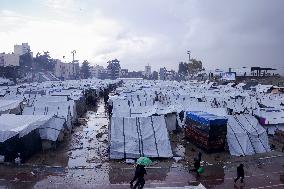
(89, 143)
(82, 162)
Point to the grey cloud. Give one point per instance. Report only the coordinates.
(221, 33)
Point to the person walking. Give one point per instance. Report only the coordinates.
(139, 176)
(240, 173)
(199, 156)
(196, 166)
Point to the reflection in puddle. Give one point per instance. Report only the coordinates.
(213, 175)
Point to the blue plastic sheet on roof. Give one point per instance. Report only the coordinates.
(205, 118)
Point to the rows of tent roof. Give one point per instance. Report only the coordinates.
(42, 113)
(142, 98)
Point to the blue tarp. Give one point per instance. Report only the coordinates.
(205, 118)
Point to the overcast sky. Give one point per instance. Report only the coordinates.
(221, 33)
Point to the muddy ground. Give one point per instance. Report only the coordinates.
(81, 161)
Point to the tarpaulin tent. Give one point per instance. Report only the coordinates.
(10, 106)
(11, 125)
(270, 116)
(140, 136)
(245, 136)
(53, 106)
(52, 129)
(47, 128)
(19, 134)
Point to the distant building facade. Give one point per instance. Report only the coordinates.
(168, 75)
(24, 48)
(148, 72)
(99, 72)
(66, 70)
(253, 71)
(9, 60)
(135, 74)
(162, 73)
(124, 73)
(114, 69)
(155, 75)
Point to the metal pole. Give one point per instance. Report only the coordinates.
(188, 52)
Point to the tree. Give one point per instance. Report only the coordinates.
(10, 72)
(85, 70)
(43, 62)
(183, 68)
(155, 75)
(195, 66)
(26, 63)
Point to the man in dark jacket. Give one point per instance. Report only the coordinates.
(199, 156)
(196, 166)
(240, 173)
(139, 176)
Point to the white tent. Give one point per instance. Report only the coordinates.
(52, 129)
(53, 106)
(11, 125)
(245, 136)
(270, 116)
(141, 136)
(6, 106)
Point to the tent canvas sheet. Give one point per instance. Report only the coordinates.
(270, 116)
(11, 125)
(63, 109)
(7, 105)
(140, 136)
(52, 128)
(245, 136)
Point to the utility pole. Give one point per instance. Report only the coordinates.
(73, 63)
(188, 52)
(73, 53)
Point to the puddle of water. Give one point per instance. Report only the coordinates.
(179, 150)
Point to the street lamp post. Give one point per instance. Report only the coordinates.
(188, 52)
(73, 53)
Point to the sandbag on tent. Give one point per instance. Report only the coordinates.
(141, 136)
(245, 136)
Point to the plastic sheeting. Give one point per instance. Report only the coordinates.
(53, 106)
(206, 119)
(52, 129)
(171, 121)
(135, 137)
(245, 136)
(270, 116)
(6, 105)
(11, 125)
